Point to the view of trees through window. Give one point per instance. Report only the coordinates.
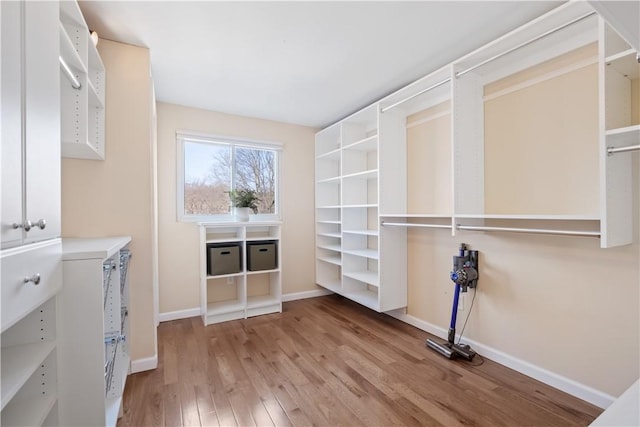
(211, 170)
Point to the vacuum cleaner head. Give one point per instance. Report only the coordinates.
(451, 351)
(442, 348)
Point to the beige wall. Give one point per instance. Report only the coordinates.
(560, 303)
(114, 197)
(179, 241)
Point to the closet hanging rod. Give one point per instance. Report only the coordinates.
(75, 83)
(529, 230)
(493, 58)
(612, 150)
(526, 43)
(409, 224)
(410, 97)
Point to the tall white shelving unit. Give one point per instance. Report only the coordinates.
(93, 308)
(349, 197)
(454, 177)
(244, 293)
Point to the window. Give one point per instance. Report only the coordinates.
(210, 167)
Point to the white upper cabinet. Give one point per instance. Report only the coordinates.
(30, 123)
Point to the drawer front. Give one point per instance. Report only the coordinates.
(19, 297)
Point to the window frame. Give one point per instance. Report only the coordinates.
(233, 142)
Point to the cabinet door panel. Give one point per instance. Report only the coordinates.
(42, 118)
(11, 124)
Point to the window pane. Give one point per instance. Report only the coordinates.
(207, 178)
(256, 170)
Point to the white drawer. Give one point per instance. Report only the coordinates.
(19, 298)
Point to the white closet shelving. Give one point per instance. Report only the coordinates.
(83, 106)
(483, 145)
(619, 129)
(242, 293)
(93, 375)
(348, 188)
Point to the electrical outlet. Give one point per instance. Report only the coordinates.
(230, 280)
(461, 303)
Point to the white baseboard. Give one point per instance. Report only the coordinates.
(567, 385)
(179, 314)
(146, 364)
(306, 294)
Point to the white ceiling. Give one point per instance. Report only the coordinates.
(308, 63)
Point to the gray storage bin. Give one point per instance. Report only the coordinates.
(262, 255)
(223, 258)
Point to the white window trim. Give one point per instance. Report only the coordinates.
(182, 135)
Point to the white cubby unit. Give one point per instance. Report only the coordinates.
(233, 286)
(350, 161)
(82, 83)
(93, 308)
(31, 280)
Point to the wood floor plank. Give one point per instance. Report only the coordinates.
(327, 362)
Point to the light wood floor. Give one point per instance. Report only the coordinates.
(326, 362)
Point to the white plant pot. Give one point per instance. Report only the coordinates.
(242, 214)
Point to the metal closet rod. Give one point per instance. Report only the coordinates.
(529, 230)
(612, 150)
(409, 224)
(493, 58)
(75, 83)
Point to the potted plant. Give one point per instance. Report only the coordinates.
(244, 201)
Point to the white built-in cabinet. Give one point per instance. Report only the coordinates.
(30, 258)
(93, 347)
(30, 123)
(82, 99)
(245, 293)
(517, 136)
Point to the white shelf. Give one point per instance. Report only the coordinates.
(329, 222)
(623, 136)
(625, 63)
(362, 232)
(368, 277)
(223, 240)
(368, 174)
(262, 301)
(222, 307)
(336, 260)
(254, 272)
(363, 205)
(584, 217)
(365, 297)
(30, 411)
(329, 207)
(334, 235)
(19, 363)
(335, 248)
(332, 285)
(222, 276)
(365, 253)
(331, 155)
(369, 143)
(332, 180)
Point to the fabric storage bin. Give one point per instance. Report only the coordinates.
(223, 258)
(262, 255)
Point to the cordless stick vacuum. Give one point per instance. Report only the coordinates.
(464, 275)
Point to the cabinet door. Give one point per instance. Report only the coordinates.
(11, 124)
(42, 118)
